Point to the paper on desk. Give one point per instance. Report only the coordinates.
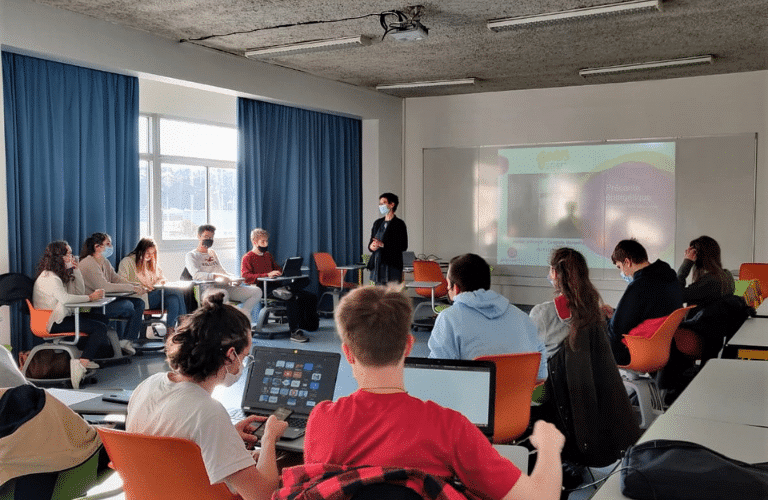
(70, 397)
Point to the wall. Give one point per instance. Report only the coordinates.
(42, 31)
(686, 107)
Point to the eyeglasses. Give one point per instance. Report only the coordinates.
(247, 361)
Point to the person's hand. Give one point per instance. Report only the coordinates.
(690, 253)
(247, 427)
(607, 311)
(273, 429)
(274, 274)
(221, 278)
(138, 290)
(149, 288)
(546, 437)
(97, 294)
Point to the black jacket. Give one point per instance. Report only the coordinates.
(395, 241)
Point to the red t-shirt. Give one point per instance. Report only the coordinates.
(398, 430)
(256, 266)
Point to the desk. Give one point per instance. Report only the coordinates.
(741, 442)
(174, 285)
(79, 305)
(426, 284)
(727, 390)
(750, 341)
(762, 309)
(343, 270)
(277, 279)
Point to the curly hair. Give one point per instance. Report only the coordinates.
(572, 280)
(53, 261)
(89, 245)
(198, 348)
(141, 249)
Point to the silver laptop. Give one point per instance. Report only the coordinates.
(469, 387)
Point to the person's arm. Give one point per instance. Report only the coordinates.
(626, 316)
(374, 230)
(94, 278)
(247, 270)
(707, 288)
(60, 292)
(127, 269)
(259, 481)
(545, 482)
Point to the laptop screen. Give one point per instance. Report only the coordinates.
(291, 378)
(292, 266)
(469, 387)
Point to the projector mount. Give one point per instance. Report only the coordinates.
(404, 25)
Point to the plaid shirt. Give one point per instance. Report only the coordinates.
(339, 482)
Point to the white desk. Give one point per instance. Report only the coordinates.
(80, 305)
(742, 442)
(727, 390)
(752, 336)
(426, 284)
(343, 270)
(762, 310)
(171, 285)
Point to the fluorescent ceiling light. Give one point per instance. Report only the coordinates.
(416, 85)
(685, 61)
(304, 47)
(599, 10)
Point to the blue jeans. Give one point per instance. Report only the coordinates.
(131, 309)
(174, 304)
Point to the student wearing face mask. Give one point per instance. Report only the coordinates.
(389, 239)
(59, 282)
(141, 267)
(98, 273)
(653, 292)
(209, 348)
(203, 264)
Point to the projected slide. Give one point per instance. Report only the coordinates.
(586, 197)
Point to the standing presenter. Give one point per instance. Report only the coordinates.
(389, 239)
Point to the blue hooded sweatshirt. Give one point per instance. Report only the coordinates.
(482, 323)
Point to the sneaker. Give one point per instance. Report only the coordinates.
(92, 366)
(76, 372)
(298, 336)
(127, 347)
(282, 293)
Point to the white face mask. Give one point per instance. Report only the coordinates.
(383, 209)
(231, 378)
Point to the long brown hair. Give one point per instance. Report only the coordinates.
(572, 280)
(142, 247)
(53, 261)
(708, 260)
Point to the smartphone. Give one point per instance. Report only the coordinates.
(281, 414)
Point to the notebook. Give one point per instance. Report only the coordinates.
(469, 387)
(292, 266)
(290, 378)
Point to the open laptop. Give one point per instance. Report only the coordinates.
(290, 378)
(292, 266)
(469, 387)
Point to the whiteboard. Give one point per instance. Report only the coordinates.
(714, 196)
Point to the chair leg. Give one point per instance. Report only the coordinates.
(648, 399)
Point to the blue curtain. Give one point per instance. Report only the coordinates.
(72, 161)
(299, 177)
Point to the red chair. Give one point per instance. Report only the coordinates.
(331, 277)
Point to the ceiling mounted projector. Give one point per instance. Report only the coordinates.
(415, 31)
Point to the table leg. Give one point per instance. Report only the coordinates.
(77, 324)
(265, 293)
(433, 300)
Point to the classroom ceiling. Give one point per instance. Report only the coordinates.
(459, 44)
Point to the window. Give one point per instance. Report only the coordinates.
(188, 178)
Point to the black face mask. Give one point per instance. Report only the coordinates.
(262, 249)
(208, 243)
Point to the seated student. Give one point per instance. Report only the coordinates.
(259, 263)
(98, 273)
(481, 322)
(140, 266)
(653, 292)
(710, 280)
(381, 425)
(600, 423)
(209, 348)
(59, 282)
(203, 264)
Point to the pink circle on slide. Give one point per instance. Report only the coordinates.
(630, 200)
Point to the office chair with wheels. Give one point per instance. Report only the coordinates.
(428, 270)
(648, 355)
(331, 277)
(515, 382)
(160, 468)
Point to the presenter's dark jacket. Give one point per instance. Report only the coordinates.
(395, 241)
(654, 292)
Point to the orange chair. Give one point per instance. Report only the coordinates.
(160, 468)
(689, 343)
(648, 355)
(755, 271)
(515, 382)
(428, 270)
(331, 277)
(38, 323)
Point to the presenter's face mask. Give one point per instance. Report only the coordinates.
(383, 209)
(231, 378)
(208, 242)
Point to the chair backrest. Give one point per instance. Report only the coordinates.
(15, 287)
(429, 270)
(408, 258)
(38, 323)
(160, 468)
(755, 271)
(185, 275)
(649, 354)
(515, 381)
(327, 273)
